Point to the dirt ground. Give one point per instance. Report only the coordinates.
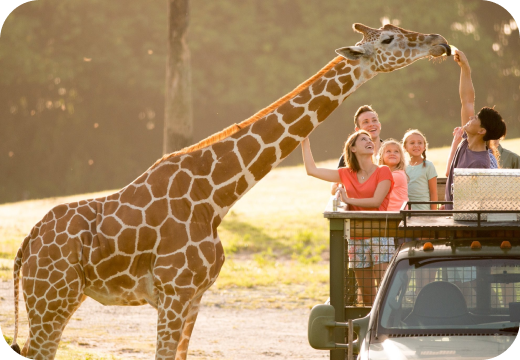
(222, 331)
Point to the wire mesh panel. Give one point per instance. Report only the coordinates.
(369, 247)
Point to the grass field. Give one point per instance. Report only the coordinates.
(271, 235)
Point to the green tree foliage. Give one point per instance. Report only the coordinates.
(82, 82)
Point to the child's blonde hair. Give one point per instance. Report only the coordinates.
(416, 132)
(402, 163)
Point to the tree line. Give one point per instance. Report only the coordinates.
(82, 83)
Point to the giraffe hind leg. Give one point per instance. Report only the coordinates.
(49, 309)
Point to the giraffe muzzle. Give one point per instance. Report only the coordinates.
(448, 49)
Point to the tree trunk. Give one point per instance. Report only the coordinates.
(178, 117)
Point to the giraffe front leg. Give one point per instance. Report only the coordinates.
(173, 310)
(182, 349)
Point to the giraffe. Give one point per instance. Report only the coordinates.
(155, 241)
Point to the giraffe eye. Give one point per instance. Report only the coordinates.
(387, 41)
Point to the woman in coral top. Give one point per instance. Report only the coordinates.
(366, 187)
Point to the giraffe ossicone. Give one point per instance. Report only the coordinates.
(155, 241)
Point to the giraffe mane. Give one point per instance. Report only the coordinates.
(232, 129)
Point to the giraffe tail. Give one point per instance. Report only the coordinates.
(16, 279)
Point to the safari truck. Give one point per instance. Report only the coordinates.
(451, 290)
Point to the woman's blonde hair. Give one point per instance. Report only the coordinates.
(416, 132)
(348, 155)
(402, 163)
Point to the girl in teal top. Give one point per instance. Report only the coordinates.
(422, 185)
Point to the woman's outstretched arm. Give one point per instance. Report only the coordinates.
(331, 175)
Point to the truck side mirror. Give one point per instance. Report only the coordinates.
(321, 327)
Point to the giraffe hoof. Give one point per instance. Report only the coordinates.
(16, 348)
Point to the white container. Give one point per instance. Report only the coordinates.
(486, 189)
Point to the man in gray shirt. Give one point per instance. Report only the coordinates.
(476, 130)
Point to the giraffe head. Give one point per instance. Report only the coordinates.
(390, 47)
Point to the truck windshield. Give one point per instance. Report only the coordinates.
(450, 295)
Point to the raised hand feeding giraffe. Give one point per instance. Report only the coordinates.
(155, 241)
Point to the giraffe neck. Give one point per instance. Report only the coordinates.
(261, 146)
(209, 180)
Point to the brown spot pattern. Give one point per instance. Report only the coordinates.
(347, 83)
(146, 239)
(225, 196)
(141, 265)
(290, 112)
(141, 179)
(323, 107)
(198, 162)
(222, 148)
(110, 226)
(112, 266)
(357, 73)
(333, 88)
(77, 224)
(130, 216)
(173, 237)
(126, 241)
(159, 179)
(201, 189)
(227, 167)
(110, 207)
(185, 278)
(157, 212)
(302, 128)
(248, 147)
(303, 97)
(318, 86)
(137, 196)
(87, 212)
(180, 185)
(269, 129)
(287, 145)
(200, 227)
(124, 281)
(263, 164)
(58, 211)
(242, 185)
(176, 260)
(61, 225)
(181, 209)
(215, 224)
(208, 251)
(194, 260)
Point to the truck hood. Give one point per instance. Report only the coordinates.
(440, 348)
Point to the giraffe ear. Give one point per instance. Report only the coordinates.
(351, 52)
